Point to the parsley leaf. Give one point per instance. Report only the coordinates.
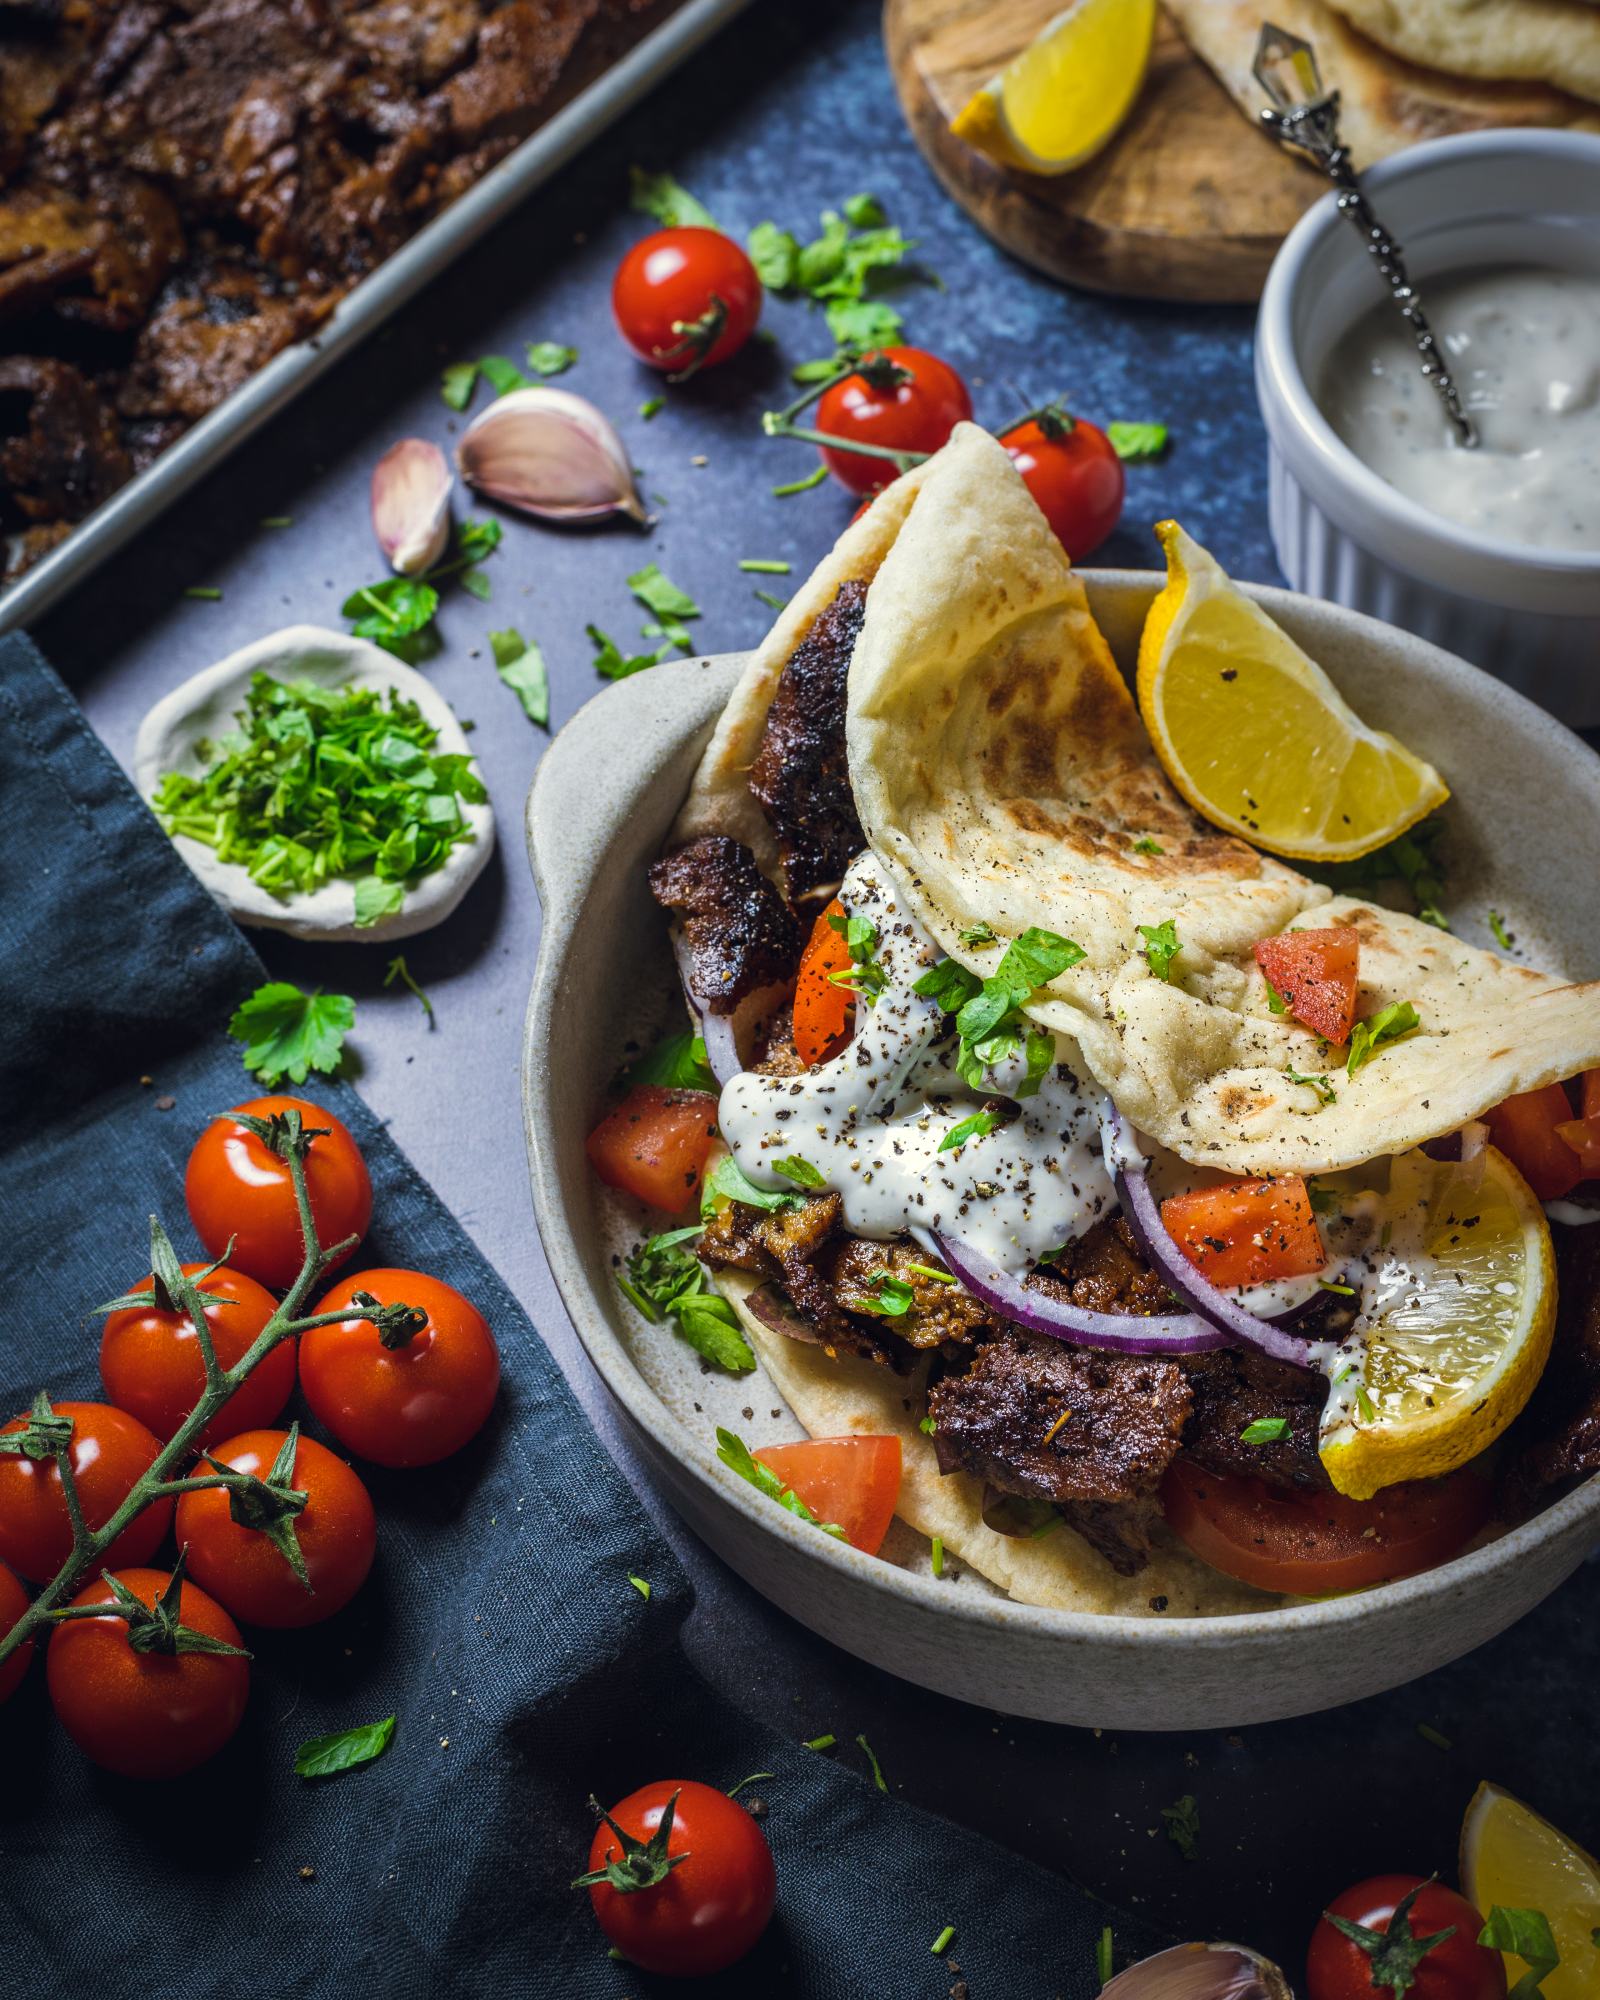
(1412, 859)
(891, 1297)
(1131, 441)
(678, 1063)
(978, 1126)
(457, 383)
(397, 613)
(666, 1281)
(671, 605)
(1498, 931)
(1368, 1038)
(798, 1170)
(1526, 1935)
(978, 933)
(375, 899)
(289, 1033)
(989, 1022)
(550, 357)
(863, 976)
(727, 1181)
(343, 1750)
(652, 406)
(864, 211)
(660, 196)
(863, 323)
(1265, 1430)
(1183, 1826)
(1326, 1094)
(1146, 845)
(775, 254)
(520, 664)
(1161, 947)
(610, 661)
(738, 1457)
(501, 375)
(398, 969)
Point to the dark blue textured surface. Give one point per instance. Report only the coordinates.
(789, 112)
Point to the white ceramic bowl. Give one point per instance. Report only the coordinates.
(606, 793)
(1341, 532)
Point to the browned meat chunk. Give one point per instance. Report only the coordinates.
(1054, 1422)
(1103, 1271)
(779, 1056)
(1233, 1389)
(800, 774)
(60, 454)
(521, 52)
(420, 40)
(1118, 1529)
(939, 1315)
(1557, 1438)
(215, 328)
(739, 934)
(790, 1246)
(100, 261)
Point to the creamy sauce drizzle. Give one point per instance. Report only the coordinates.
(1524, 347)
(871, 1121)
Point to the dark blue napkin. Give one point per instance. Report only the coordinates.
(499, 1623)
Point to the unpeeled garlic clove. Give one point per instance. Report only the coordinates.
(1201, 1972)
(411, 505)
(549, 453)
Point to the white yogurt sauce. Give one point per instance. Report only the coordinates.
(871, 1120)
(1524, 348)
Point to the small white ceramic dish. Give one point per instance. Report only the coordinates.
(206, 705)
(1473, 202)
(1527, 794)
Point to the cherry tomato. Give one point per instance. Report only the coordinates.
(236, 1186)
(848, 1482)
(336, 1529)
(13, 1602)
(1459, 1968)
(1075, 477)
(1526, 1128)
(686, 299)
(917, 414)
(1312, 1544)
(407, 1405)
(1315, 974)
(151, 1366)
(109, 1452)
(1247, 1232)
(709, 1910)
(821, 1007)
(655, 1145)
(146, 1715)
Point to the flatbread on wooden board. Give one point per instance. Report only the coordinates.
(1532, 41)
(1385, 102)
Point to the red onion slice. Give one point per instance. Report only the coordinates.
(1227, 1316)
(1121, 1333)
(729, 1038)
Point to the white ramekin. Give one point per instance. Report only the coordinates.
(1483, 199)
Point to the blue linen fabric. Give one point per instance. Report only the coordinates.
(499, 1624)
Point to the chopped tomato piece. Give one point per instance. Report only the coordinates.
(821, 1008)
(1315, 974)
(1591, 1093)
(1282, 1538)
(848, 1482)
(1245, 1232)
(1525, 1130)
(655, 1144)
(1583, 1134)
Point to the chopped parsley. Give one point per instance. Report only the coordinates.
(666, 1281)
(840, 270)
(398, 969)
(1161, 947)
(652, 406)
(1326, 1094)
(738, 1457)
(613, 664)
(671, 606)
(1265, 1430)
(520, 664)
(1332, 1285)
(936, 1555)
(819, 1742)
(642, 1586)
(1497, 929)
(877, 1769)
(931, 1271)
(1183, 1826)
(1146, 845)
(1526, 1935)
(766, 597)
(457, 383)
(798, 1170)
(863, 976)
(318, 784)
(669, 203)
(891, 1297)
(1434, 1736)
(927, 1426)
(1134, 440)
(765, 566)
(1411, 859)
(1365, 1406)
(978, 933)
(550, 357)
(1275, 999)
(206, 592)
(942, 1942)
(727, 1181)
(397, 613)
(1104, 1956)
(990, 1024)
(289, 1033)
(1390, 1024)
(978, 1126)
(677, 1063)
(344, 1749)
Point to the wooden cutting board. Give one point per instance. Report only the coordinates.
(1185, 203)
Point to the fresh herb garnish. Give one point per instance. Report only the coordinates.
(1183, 1826)
(766, 597)
(1146, 845)
(343, 1750)
(942, 1942)
(397, 613)
(1275, 999)
(1411, 859)
(457, 383)
(206, 592)
(877, 1769)
(727, 1181)
(398, 969)
(1390, 1024)
(927, 1426)
(1161, 947)
(520, 664)
(641, 1585)
(977, 934)
(738, 1457)
(863, 976)
(652, 406)
(666, 1281)
(819, 1742)
(990, 1025)
(800, 485)
(676, 1063)
(660, 196)
(289, 1033)
(978, 1126)
(1103, 1956)
(931, 1271)
(1131, 440)
(671, 605)
(1265, 1430)
(277, 521)
(890, 1297)
(1526, 1935)
(798, 1170)
(838, 271)
(550, 357)
(1498, 931)
(613, 664)
(1364, 1405)
(1434, 1736)
(936, 1555)
(1332, 1285)
(1326, 1094)
(1395, 1952)
(764, 566)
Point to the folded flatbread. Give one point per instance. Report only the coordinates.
(1535, 41)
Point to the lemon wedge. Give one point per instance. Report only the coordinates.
(1510, 1856)
(1254, 734)
(1457, 1311)
(1055, 105)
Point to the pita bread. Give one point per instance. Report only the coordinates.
(1385, 102)
(1534, 41)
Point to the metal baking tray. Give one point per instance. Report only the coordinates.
(365, 307)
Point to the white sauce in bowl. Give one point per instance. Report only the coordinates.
(1524, 348)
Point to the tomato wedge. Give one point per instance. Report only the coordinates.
(655, 1144)
(1310, 1544)
(1526, 1129)
(821, 1008)
(1315, 974)
(1582, 1134)
(1245, 1232)
(848, 1482)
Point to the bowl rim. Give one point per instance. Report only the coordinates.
(1373, 510)
(695, 1457)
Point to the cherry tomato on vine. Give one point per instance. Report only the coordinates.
(413, 1403)
(1074, 475)
(109, 1453)
(13, 1602)
(337, 1531)
(693, 1919)
(236, 1186)
(152, 1714)
(1339, 1967)
(686, 299)
(916, 413)
(151, 1366)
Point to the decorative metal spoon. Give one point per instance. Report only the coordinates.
(1306, 116)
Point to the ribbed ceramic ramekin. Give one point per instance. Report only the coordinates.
(1530, 616)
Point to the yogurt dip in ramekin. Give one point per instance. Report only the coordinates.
(1501, 564)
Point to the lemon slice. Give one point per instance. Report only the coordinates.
(1255, 735)
(1458, 1306)
(1510, 1856)
(1055, 105)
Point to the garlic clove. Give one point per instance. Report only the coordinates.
(551, 454)
(1201, 1972)
(411, 505)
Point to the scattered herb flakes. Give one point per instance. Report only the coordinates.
(550, 357)
(764, 566)
(1135, 441)
(1390, 1024)
(1182, 1820)
(927, 1426)
(737, 1456)
(1365, 1405)
(824, 1742)
(990, 1026)
(1275, 999)
(978, 1126)
(1498, 931)
(1526, 1935)
(943, 1941)
(1103, 1956)
(1161, 947)
(890, 1297)
(666, 1281)
(864, 211)
(877, 1769)
(1434, 1736)
(652, 406)
(936, 1555)
(397, 613)
(289, 1033)
(343, 1750)
(1333, 1285)
(931, 1271)
(612, 664)
(398, 969)
(206, 592)
(798, 1170)
(1324, 1200)
(821, 370)
(978, 933)
(520, 664)
(676, 1063)
(1265, 1430)
(457, 383)
(766, 597)
(801, 485)
(1326, 1094)
(501, 375)
(1146, 845)
(277, 521)
(1412, 859)
(728, 1181)
(664, 199)
(671, 605)
(641, 1586)
(775, 254)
